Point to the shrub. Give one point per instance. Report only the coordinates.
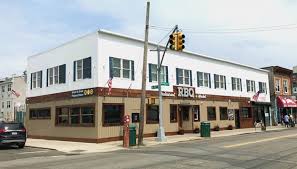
(230, 127)
(216, 128)
(181, 131)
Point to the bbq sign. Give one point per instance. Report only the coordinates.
(188, 92)
(82, 93)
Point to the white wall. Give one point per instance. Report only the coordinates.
(115, 46)
(65, 54)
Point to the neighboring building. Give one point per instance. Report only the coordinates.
(12, 97)
(68, 96)
(294, 81)
(283, 102)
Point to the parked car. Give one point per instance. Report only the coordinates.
(12, 133)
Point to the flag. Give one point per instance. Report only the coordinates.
(256, 96)
(15, 93)
(109, 83)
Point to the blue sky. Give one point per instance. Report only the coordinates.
(31, 26)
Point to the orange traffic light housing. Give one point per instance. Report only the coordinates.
(173, 41)
(180, 41)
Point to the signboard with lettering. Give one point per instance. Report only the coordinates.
(82, 93)
(187, 92)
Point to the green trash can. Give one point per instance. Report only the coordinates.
(205, 129)
(132, 137)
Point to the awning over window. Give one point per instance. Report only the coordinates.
(283, 101)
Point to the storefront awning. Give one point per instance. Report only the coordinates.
(283, 101)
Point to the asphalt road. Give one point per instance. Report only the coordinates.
(269, 150)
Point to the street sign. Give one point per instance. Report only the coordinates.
(164, 84)
(155, 87)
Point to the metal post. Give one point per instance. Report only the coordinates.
(161, 133)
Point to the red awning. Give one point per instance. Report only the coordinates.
(283, 101)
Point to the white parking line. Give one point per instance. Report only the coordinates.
(33, 152)
(260, 141)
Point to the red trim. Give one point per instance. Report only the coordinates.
(283, 101)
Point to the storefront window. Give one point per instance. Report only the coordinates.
(211, 113)
(173, 113)
(40, 113)
(223, 113)
(87, 115)
(246, 112)
(152, 114)
(74, 119)
(196, 113)
(112, 114)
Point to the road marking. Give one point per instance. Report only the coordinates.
(260, 141)
(34, 152)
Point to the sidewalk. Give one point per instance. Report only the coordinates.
(78, 147)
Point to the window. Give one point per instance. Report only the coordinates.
(135, 117)
(8, 104)
(203, 79)
(246, 112)
(153, 73)
(121, 68)
(236, 84)
(262, 87)
(112, 114)
(277, 85)
(82, 69)
(42, 113)
(196, 113)
(152, 114)
(285, 86)
(211, 113)
(56, 75)
(184, 76)
(173, 113)
(36, 80)
(82, 115)
(223, 113)
(251, 87)
(9, 87)
(3, 88)
(220, 81)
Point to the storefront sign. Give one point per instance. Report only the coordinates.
(201, 96)
(82, 93)
(185, 91)
(168, 94)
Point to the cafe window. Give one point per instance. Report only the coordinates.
(211, 113)
(112, 114)
(41, 113)
(173, 113)
(246, 113)
(75, 115)
(196, 113)
(223, 113)
(152, 114)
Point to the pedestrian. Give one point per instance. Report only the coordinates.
(286, 120)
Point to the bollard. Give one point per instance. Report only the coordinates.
(126, 131)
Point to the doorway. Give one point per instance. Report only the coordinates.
(184, 117)
(237, 119)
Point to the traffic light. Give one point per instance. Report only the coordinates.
(173, 41)
(180, 41)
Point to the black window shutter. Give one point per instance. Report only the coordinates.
(247, 87)
(62, 73)
(132, 70)
(240, 84)
(191, 83)
(167, 80)
(87, 68)
(215, 78)
(177, 71)
(110, 67)
(225, 82)
(40, 79)
(198, 79)
(31, 80)
(74, 70)
(233, 83)
(209, 80)
(46, 77)
(150, 72)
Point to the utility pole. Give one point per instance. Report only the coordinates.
(143, 93)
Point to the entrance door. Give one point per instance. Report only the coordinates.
(237, 119)
(185, 121)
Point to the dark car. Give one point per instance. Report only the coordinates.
(13, 134)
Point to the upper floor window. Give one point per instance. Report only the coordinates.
(121, 68)
(3, 105)
(153, 73)
(183, 76)
(82, 69)
(3, 88)
(220, 81)
(277, 85)
(262, 87)
(8, 104)
(236, 84)
(251, 86)
(36, 80)
(9, 87)
(203, 79)
(285, 86)
(56, 75)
